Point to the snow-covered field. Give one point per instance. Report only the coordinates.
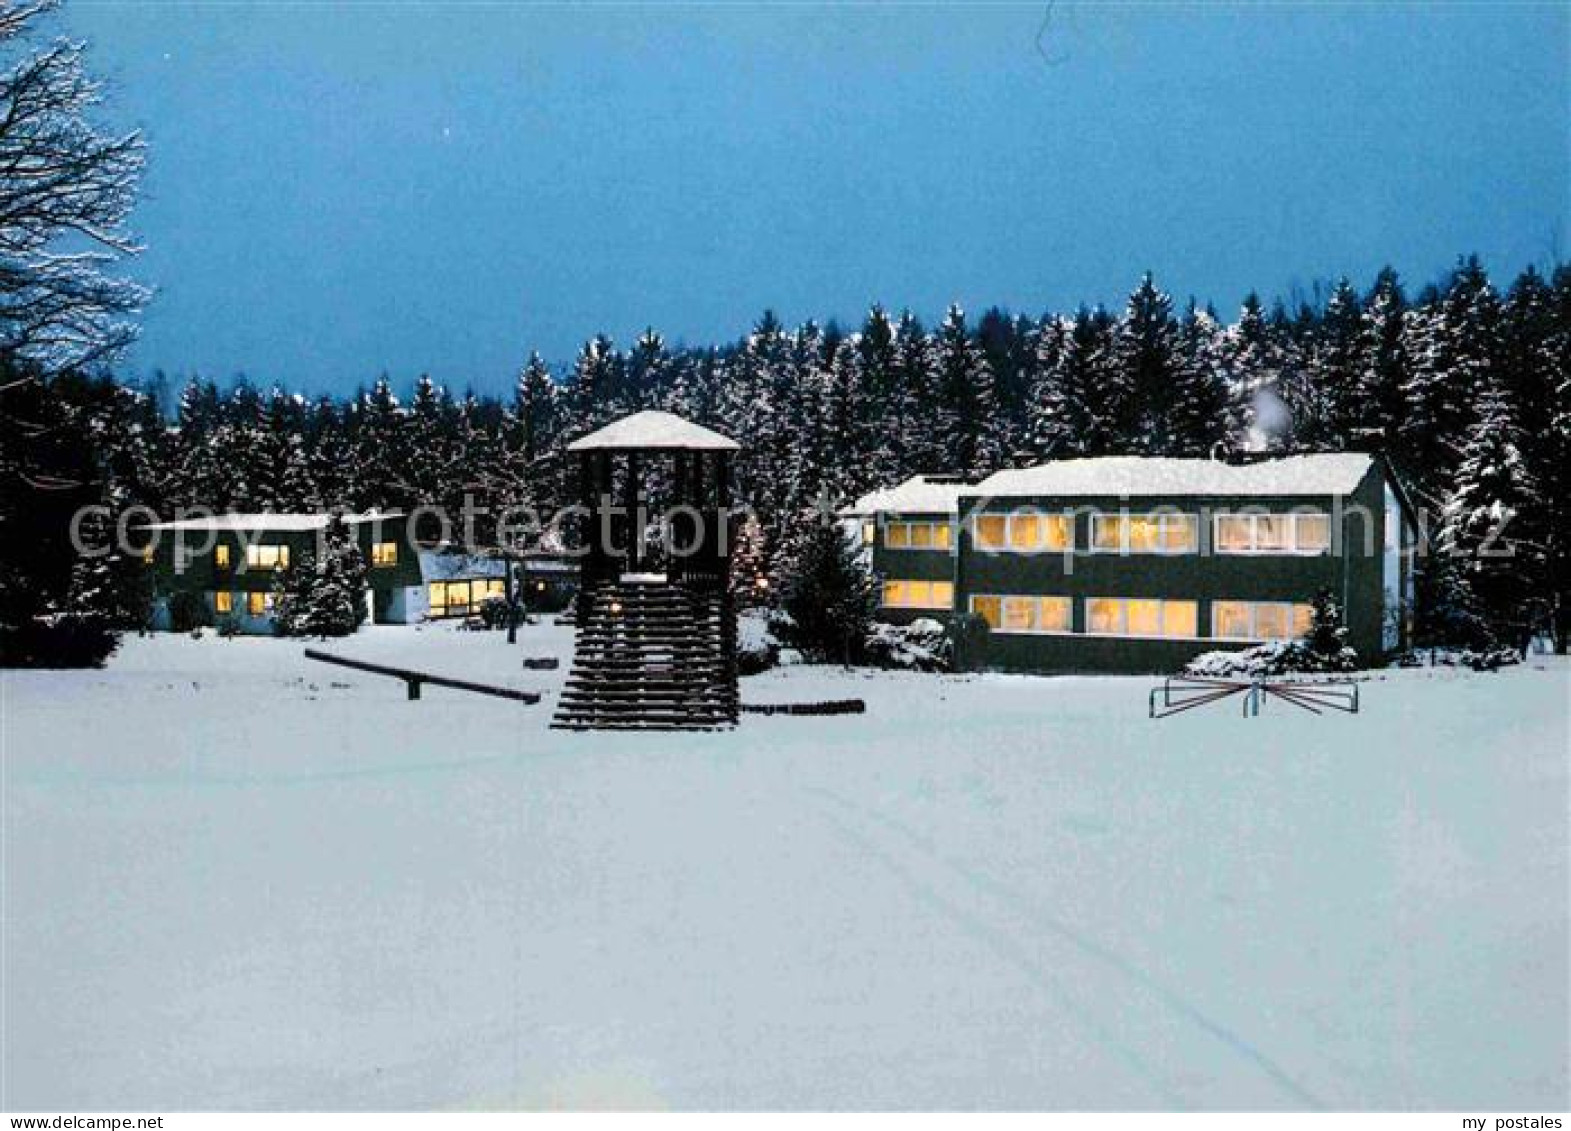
(237, 879)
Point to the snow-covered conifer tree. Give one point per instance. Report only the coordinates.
(1333, 403)
(967, 423)
(1452, 350)
(1200, 397)
(1491, 542)
(827, 596)
(1383, 356)
(323, 593)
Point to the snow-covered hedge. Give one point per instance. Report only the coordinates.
(922, 646)
(756, 650)
(1280, 657)
(1486, 660)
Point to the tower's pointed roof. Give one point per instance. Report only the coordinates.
(653, 431)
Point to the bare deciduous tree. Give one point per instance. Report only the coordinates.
(66, 189)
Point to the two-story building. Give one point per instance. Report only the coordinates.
(1138, 564)
(229, 563)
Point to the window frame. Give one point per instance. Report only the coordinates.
(1290, 610)
(1161, 603)
(1051, 520)
(377, 557)
(1294, 547)
(254, 556)
(929, 583)
(1066, 603)
(479, 590)
(1163, 520)
(940, 534)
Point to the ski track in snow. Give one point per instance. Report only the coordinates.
(1002, 943)
(1037, 917)
(234, 882)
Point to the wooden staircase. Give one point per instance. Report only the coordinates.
(652, 655)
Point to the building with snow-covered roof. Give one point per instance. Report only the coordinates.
(221, 568)
(1130, 563)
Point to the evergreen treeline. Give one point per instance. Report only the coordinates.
(1463, 385)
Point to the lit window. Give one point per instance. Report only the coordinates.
(1104, 615)
(1235, 533)
(267, 557)
(1107, 532)
(1054, 614)
(1271, 621)
(1118, 616)
(1230, 620)
(990, 530)
(1022, 612)
(1024, 532)
(1312, 533)
(904, 594)
(147, 555)
(1144, 533)
(989, 609)
(384, 553)
(221, 556)
(1143, 618)
(869, 530)
(1259, 620)
(1273, 533)
(258, 603)
(463, 598)
(1180, 533)
(917, 535)
(223, 602)
(1019, 614)
(449, 598)
(1181, 619)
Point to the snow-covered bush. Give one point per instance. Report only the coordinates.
(1279, 657)
(923, 646)
(495, 612)
(1479, 660)
(756, 649)
(1324, 649)
(751, 659)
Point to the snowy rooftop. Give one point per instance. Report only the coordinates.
(652, 430)
(921, 494)
(1331, 474)
(267, 520)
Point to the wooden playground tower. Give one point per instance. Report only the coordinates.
(656, 650)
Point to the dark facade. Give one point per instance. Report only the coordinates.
(1077, 607)
(230, 563)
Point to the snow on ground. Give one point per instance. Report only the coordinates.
(237, 879)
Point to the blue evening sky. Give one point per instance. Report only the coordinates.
(335, 192)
